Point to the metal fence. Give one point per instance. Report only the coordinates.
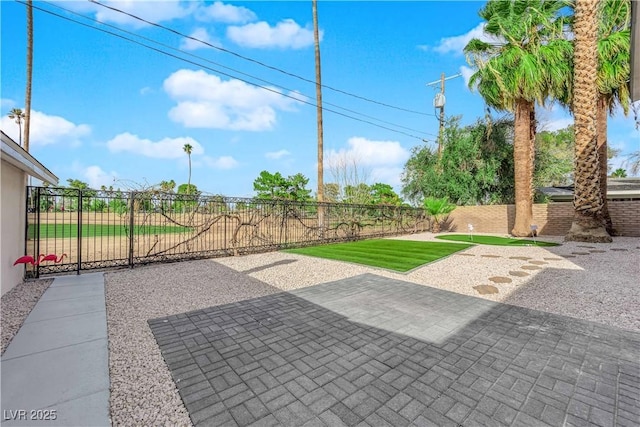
(92, 229)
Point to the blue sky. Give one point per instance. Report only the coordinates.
(111, 112)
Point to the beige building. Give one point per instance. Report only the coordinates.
(15, 168)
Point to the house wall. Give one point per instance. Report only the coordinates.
(552, 219)
(12, 220)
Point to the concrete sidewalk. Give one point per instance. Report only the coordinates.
(56, 369)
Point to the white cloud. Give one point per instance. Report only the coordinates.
(277, 154)
(456, 44)
(167, 148)
(46, 129)
(7, 103)
(146, 90)
(206, 101)
(225, 13)
(154, 11)
(199, 34)
(95, 177)
(466, 74)
(376, 154)
(286, 34)
(223, 162)
(388, 175)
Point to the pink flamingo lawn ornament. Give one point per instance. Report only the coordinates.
(52, 257)
(28, 259)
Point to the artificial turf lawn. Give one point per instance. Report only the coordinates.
(494, 240)
(398, 255)
(51, 231)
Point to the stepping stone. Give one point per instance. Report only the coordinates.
(597, 251)
(466, 254)
(519, 273)
(490, 256)
(552, 259)
(581, 253)
(538, 262)
(531, 267)
(523, 258)
(619, 249)
(486, 289)
(500, 279)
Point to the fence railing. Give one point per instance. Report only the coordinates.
(102, 229)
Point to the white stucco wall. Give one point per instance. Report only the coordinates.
(12, 220)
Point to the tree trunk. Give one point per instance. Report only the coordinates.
(27, 101)
(189, 180)
(603, 156)
(587, 223)
(523, 169)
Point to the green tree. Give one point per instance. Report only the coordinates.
(276, 187)
(18, 115)
(168, 186)
(476, 166)
(530, 64)
(331, 192)
(383, 194)
(187, 149)
(87, 193)
(619, 173)
(554, 157)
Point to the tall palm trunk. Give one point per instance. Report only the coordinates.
(603, 155)
(20, 130)
(27, 102)
(316, 38)
(587, 223)
(189, 179)
(523, 168)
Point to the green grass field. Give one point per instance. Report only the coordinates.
(61, 231)
(494, 240)
(397, 255)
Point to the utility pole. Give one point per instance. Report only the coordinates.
(318, 102)
(438, 102)
(441, 129)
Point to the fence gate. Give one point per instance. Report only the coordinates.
(78, 230)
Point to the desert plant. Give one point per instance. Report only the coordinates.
(437, 208)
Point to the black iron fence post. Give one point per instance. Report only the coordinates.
(131, 223)
(37, 231)
(79, 231)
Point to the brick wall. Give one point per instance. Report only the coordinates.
(552, 219)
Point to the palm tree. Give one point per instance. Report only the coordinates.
(17, 115)
(587, 223)
(614, 63)
(527, 66)
(619, 173)
(187, 149)
(27, 102)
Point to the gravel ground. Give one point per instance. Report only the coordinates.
(16, 306)
(597, 282)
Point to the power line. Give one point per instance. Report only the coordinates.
(155, 24)
(298, 99)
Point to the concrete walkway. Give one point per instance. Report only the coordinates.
(56, 369)
(374, 351)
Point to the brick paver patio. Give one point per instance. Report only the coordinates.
(374, 351)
